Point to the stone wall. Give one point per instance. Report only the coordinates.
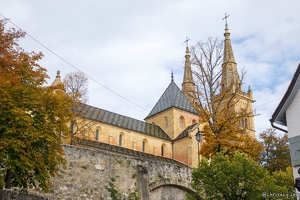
(98, 174)
(91, 174)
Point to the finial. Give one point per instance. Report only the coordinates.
(187, 41)
(58, 74)
(226, 16)
(172, 77)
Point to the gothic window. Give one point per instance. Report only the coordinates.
(181, 122)
(166, 122)
(120, 139)
(97, 135)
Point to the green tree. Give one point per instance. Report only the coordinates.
(239, 177)
(276, 154)
(224, 178)
(31, 117)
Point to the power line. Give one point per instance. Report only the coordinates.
(267, 103)
(73, 65)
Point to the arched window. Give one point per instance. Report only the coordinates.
(162, 150)
(120, 139)
(166, 122)
(143, 146)
(97, 135)
(181, 122)
(246, 123)
(194, 121)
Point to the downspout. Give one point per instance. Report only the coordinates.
(276, 127)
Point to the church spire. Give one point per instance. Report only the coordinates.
(230, 76)
(188, 85)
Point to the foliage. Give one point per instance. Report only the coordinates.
(31, 117)
(218, 110)
(276, 154)
(111, 188)
(239, 177)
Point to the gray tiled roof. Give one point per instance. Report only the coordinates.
(172, 97)
(114, 119)
(185, 133)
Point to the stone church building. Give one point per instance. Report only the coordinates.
(169, 129)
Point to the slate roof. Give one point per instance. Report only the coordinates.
(185, 133)
(172, 97)
(114, 119)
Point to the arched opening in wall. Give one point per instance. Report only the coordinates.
(97, 134)
(166, 121)
(181, 122)
(153, 123)
(194, 121)
(144, 144)
(163, 149)
(121, 137)
(174, 191)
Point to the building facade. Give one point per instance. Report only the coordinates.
(169, 129)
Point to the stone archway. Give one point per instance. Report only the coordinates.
(171, 192)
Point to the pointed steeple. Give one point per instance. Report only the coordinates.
(230, 76)
(188, 85)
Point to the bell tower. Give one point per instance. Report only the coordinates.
(232, 84)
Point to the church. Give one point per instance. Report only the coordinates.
(169, 129)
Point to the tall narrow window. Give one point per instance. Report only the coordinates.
(166, 122)
(143, 146)
(181, 121)
(120, 139)
(162, 150)
(246, 123)
(97, 135)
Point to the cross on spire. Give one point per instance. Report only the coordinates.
(172, 76)
(226, 16)
(187, 41)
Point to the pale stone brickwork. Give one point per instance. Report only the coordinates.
(173, 121)
(88, 172)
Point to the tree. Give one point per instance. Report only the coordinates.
(239, 177)
(31, 117)
(276, 154)
(76, 86)
(218, 110)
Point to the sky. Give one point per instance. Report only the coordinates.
(129, 48)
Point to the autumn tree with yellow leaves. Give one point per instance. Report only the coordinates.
(219, 114)
(32, 117)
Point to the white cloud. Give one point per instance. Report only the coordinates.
(131, 47)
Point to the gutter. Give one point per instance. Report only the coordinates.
(276, 127)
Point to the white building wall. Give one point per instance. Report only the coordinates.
(293, 117)
(293, 124)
